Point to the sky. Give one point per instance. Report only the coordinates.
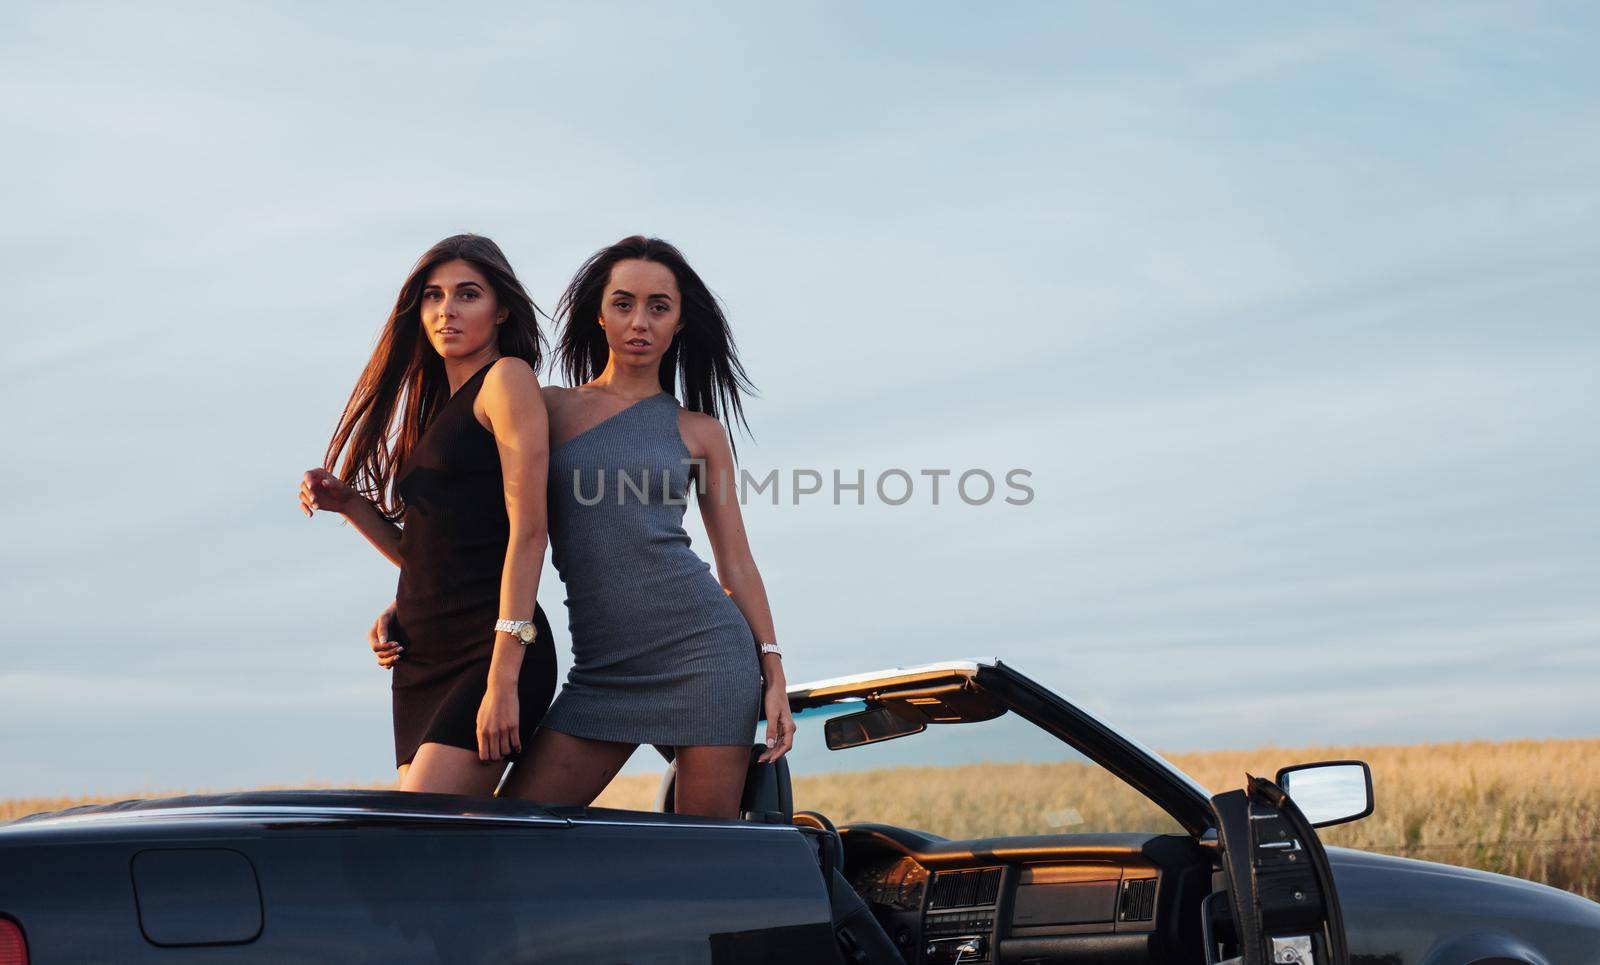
(1288, 314)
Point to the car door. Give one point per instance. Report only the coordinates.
(1279, 904)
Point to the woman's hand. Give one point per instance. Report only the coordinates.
(387, 650)
(780, 723)
(498, 718)
(321, 489)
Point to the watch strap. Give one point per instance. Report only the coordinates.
(523, 630)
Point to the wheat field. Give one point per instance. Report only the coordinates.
(1524, 808)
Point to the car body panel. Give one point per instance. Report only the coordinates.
(1406, 911)
(375, 877)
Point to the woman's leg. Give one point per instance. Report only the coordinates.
(442, 769)
(402, 769)
(711, 780)
(561, 769)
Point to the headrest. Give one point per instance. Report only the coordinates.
(767, 798)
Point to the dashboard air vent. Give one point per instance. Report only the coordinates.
(1138, 900)
(965, 889)
(989, 886)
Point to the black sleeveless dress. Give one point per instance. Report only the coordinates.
(453, 549)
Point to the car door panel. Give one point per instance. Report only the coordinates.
(1282, 903)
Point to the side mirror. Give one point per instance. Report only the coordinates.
(867, 727)
(1329, 792)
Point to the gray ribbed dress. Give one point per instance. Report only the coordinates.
(660, 654)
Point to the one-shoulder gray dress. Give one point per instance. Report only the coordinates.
(661, 655)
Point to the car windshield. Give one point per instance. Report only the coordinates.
(965, 780)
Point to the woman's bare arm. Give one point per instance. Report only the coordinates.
(730, 547)
(321, 489)
(382, 534)
(736, 566)
(514, 408)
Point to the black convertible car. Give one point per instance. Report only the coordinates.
(1118, 858)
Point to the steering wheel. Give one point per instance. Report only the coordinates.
(818, 820)
(861, 937)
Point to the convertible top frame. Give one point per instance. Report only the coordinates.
(1172, 790)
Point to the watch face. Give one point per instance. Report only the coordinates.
(527, 633)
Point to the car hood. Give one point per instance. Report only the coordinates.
(1422, 912)
(1502, 887)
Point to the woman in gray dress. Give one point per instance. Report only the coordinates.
(664, 652)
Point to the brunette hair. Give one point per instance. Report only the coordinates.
(702, 359)
(404, 381)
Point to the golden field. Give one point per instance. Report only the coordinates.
(1525, 808)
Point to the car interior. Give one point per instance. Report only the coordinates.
(900, 895)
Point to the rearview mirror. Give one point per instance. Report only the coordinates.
(867, 727)
(1330, 792)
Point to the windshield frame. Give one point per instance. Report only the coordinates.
(1179, 795)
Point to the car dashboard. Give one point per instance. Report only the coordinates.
(1035, 899)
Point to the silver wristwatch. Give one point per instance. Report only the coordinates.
(523, 630)
(771, 648)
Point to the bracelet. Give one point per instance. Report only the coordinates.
(772, 648)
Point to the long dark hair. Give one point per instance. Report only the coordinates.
(404, 381)
(701, 360)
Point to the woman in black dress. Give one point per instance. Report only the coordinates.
(446, 435)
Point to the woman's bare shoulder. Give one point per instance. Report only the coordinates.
(699, 421)
(702, 432)
(510, 386)
(510, 367)
(555, 395)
